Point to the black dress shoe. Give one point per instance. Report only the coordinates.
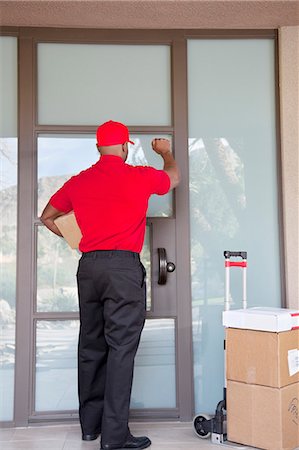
(90, 437)
(135, 443)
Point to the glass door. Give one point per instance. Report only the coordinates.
(56, 321)
(64, 96)
(90, 96)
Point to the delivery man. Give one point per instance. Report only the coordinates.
(110, 201)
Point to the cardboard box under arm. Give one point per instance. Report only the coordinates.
(69, 228)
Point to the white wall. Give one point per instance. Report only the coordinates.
(289, 105)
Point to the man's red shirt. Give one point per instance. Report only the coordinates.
(110, 201)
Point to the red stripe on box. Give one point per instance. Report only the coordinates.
(295, 315)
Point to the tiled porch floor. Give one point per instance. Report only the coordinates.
(164, 436)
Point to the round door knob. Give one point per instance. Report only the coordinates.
(164, 266)
(170, 267)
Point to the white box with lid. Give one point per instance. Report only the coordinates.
(262, 319)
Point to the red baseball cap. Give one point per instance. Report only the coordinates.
(112, 133)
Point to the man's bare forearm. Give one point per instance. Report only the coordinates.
(171, 168)
(49, 223)
(169, 161)
(163, 148)
(48, 216)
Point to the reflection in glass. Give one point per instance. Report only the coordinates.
(56, 366)
(145, 257)
(233, 191)
(57, 266)
(73, 88)
(154, 384)
(8, 220)
(8, 249)
(61, 156)
(141, 154)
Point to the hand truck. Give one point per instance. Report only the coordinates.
(206, 426)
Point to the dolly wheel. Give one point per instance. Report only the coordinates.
(198, 428)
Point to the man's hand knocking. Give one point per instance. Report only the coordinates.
(161, 146)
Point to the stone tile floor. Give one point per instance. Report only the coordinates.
(164, 436)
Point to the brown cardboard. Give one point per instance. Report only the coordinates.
(262, 416)
(260, 357)
(68, 226)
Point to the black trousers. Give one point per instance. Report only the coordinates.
(112, 295)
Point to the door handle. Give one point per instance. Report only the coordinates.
(164, 266)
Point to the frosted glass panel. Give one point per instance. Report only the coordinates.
(61, 156)
(233, 190)
(8, 221)
(56, 366)
(8, 86)
(82, 84)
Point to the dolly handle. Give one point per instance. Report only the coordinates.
(243, 264)
(228, 254)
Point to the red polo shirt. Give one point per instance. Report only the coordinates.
(110, 201)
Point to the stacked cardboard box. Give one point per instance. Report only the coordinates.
(262, 371)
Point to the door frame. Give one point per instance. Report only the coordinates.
(26, 276)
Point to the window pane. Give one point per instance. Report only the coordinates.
(61, 156)
(154, 384)
(56, 366)
(8, 87)
(145, 257)
(57, 266)
(141, 154)
(233, 190)
(81, 84)
(8, 221)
